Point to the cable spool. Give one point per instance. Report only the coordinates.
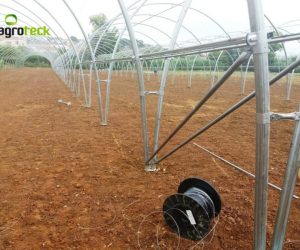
(191, 211)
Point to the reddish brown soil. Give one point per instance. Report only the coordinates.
(68, 183)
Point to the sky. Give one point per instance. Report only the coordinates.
(231, 14)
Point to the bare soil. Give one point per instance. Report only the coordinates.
(68, 183)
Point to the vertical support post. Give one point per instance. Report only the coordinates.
(81, 81)
(284, 50)
(245, 76)
(290, 82)
(107, 97)
(191, 72)
(89, 98)
(174, 71)
(119, 66)
(216, 69)
(260, 59)
(289, 87)
(132, 70)
(287, 191)
(242, 81)
(164, 77)
(140, 78)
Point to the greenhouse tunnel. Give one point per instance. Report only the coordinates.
(156, 45)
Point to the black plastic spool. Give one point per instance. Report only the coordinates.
(203, 203)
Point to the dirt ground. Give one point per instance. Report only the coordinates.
(68, 183)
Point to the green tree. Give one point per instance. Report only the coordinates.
(74, 39)
(108, 40)
(97, 21)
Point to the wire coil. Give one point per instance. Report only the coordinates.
(190, 212)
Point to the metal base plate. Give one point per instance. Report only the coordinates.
(103, 123)
(151, 168)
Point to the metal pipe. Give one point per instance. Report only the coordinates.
(209, 47)
(164, 76)
(288, 190)
(140, 78)
(245, 76)
(283, 47)
(288, 87)
(198, 50)
(191, 72)
(290, 82)
(111, 67)
(260, 60)
(244, 56)
(238, 168)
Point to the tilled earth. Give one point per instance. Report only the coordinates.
(68, 183)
